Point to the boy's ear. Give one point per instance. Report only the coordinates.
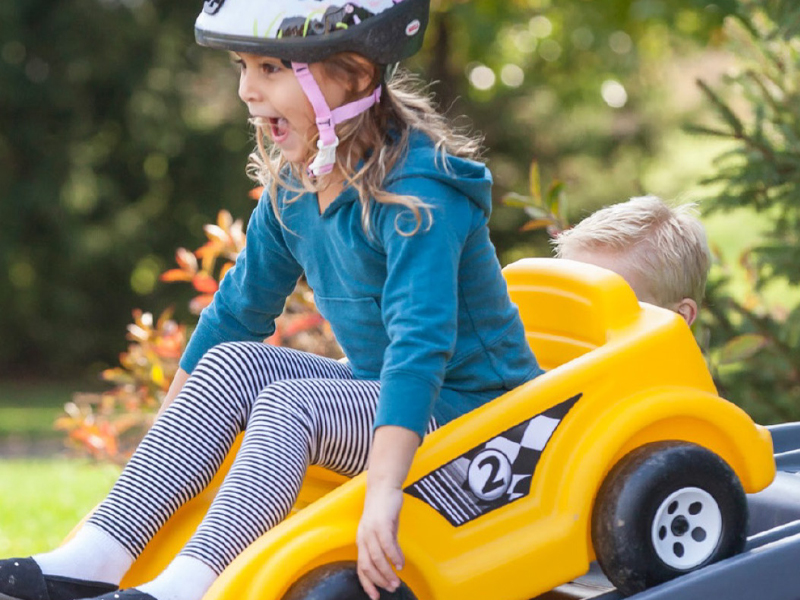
(687, 308)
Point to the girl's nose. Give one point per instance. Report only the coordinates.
(248, 91)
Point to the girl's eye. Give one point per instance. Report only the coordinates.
(267, 68)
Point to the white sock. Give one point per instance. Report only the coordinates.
(186, 578)
(91, 555)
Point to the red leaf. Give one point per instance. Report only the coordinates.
(175, 275)
(204, 283)
(301, 324)
(199, 303)
(536, 224)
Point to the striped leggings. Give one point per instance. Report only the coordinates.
(296, 409)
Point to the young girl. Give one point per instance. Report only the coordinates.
(372, 197)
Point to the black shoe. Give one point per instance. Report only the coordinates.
(129, 594)
(22, 579)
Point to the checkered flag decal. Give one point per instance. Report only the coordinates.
(493, 474)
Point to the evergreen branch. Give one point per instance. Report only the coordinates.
(703, 130)
(727, 114)
(765, 92)
(747, 23)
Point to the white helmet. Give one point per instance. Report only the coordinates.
(305, 31)
(384, 31)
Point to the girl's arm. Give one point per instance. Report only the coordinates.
(393, 449)
(420, 312)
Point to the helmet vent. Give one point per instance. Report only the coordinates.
(212, 6)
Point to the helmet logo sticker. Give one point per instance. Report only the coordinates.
(413, 28)
(212, 6)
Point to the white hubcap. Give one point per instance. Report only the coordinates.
(687, 528)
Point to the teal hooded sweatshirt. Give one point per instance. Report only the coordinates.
(426, 313)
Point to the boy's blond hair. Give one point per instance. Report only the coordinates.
(666, 246)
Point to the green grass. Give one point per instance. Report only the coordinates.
(28, 421)
(42, 500)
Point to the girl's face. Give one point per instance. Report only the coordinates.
(272, 93)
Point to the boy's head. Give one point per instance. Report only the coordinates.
(661, 251)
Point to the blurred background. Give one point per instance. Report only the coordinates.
(121, 141)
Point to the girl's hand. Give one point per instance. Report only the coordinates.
(392, 451)
(377, 539)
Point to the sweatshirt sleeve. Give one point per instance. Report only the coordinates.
(420, 299)
(252, 293)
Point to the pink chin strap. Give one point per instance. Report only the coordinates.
(327, 119)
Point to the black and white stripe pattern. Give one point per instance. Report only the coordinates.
(493, 474)
(297, 409)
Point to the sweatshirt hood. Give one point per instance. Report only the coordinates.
(471, 178)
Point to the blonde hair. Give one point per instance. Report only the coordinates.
(665, 245)
(379, 136)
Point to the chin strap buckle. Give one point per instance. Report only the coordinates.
(325, 159)
(327, 119)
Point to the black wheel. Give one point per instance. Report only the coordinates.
(338, 581)
(665, 509)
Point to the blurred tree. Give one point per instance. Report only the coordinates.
(116, 147)
(119, 139)
(754, 345)
(581, 87)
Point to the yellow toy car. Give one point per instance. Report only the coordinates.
(622, 451)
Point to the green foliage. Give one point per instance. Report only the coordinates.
(120, 138)
(579, 86)
(753, 345)
(763, 170)
(113, 145)
(547, 211)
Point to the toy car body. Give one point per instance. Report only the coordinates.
(499, 503)
(765, 570)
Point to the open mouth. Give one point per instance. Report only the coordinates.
(279, 129)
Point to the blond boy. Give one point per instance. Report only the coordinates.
(661, 251)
